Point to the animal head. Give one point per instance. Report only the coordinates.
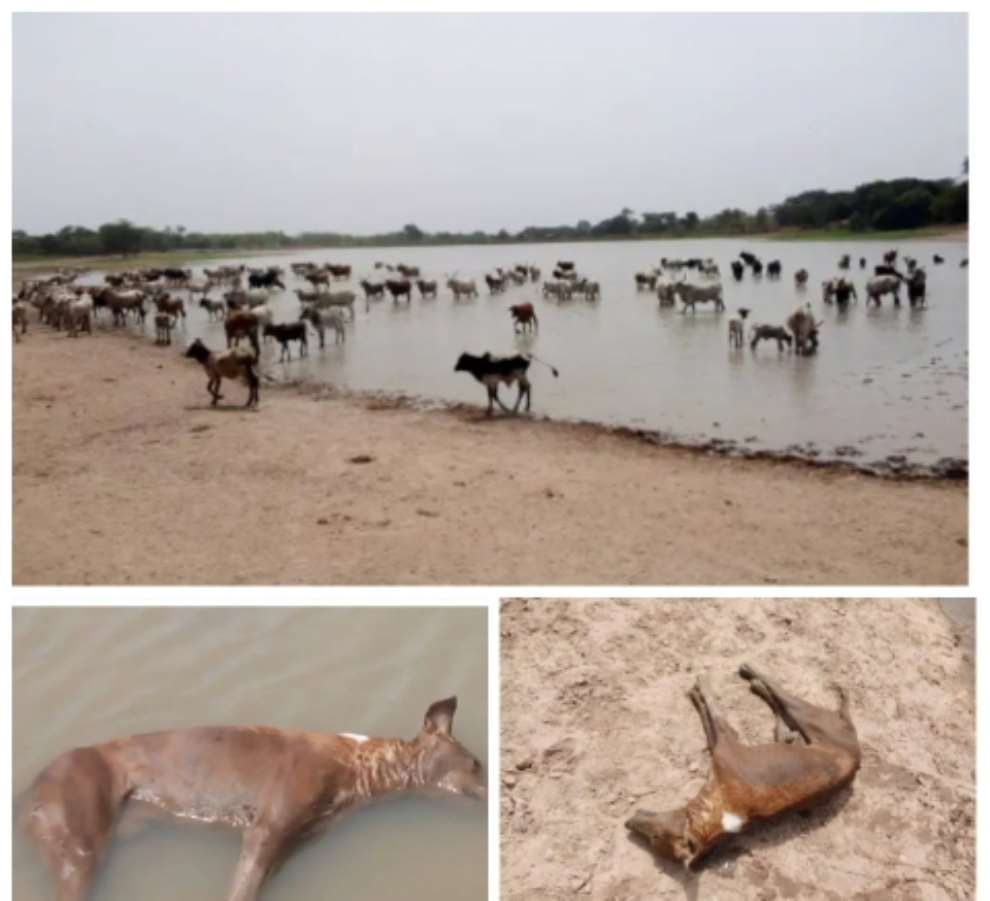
(463, 363)
(667, 833)
(445, 763)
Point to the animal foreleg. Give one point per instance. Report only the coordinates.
(259, 852)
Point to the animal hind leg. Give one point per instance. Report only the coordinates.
(73, 810)
(812, 723)
(716, 726)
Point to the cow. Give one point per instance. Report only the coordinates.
(284, 332)
(879, 285)
(270, 278)
(695, 294)
(803, 327)
(462, 287)
(492, 371)
(524, 317)
(399, 287)
(770, 333)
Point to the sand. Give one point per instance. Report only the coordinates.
(123, 474)
(595, 723)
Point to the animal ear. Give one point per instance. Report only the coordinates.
(440, 717)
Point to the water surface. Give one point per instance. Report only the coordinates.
(886, 382)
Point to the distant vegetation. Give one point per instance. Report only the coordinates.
(904, 203)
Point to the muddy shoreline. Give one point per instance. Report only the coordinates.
(894, 467)
(124, 474)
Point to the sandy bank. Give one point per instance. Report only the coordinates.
(124, 474)
(596, 723)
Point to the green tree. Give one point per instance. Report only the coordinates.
(120, 237)
(412, 232)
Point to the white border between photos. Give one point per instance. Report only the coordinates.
(979, 570)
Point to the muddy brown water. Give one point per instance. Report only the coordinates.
(887, 388)
(86, 675)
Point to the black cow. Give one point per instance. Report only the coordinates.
(773, 269)
(285, 332)
(267, 279)
(737, 270)
(398, 288)
(493, 371)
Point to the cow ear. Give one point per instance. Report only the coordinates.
(439, 718)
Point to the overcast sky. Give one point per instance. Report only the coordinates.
(364, 123)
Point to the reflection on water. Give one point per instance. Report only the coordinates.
(86, 675)
(886, 381)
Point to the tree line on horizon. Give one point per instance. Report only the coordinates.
(903, 203)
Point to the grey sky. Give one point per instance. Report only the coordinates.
(364, 123)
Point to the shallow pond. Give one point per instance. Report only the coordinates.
(887, 381)
(86, 675)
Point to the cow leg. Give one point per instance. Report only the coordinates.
(498, 400)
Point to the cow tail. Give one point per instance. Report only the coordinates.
(535, 358)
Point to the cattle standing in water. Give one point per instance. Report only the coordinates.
(426, 288)
(524, 317)
(801, 277)
(270, 278)
(883, 284)
(737, 270)
(371, 289)
(916, 287)
(773, 269)
(804, 329)
(770, 333)
(695, 294)
(230, 364)
(284, 332)
(493, 371)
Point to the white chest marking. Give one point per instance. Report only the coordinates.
(732, 822)
(353, 737)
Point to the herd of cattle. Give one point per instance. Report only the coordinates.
(240, 298)
(669, 282)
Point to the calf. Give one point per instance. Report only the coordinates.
(815, 754)
(493, 371)
(277, 787)
(284, 332)
(230, 364)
